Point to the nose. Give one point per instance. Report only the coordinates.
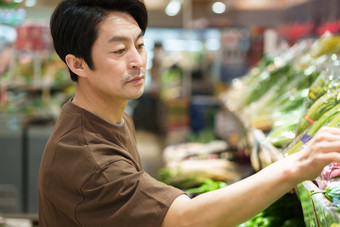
(136, 58)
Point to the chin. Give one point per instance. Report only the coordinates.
(138, 94)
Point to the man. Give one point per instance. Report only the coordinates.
(90, 172)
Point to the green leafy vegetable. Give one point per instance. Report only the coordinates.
(332, 193)
(207, 186)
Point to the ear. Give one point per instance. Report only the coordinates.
(77, 65)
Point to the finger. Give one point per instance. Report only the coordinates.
(326, 135)
(326, 146)
(332, 130)
(329, 137)
(328, 158)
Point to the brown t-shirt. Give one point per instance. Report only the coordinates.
(91, 175)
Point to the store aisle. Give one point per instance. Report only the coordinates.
(150, 146)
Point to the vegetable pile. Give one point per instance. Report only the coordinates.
(285, 212)
(286, 94)
(206, 186)
(290, 96)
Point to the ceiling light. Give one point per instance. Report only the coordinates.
(218, 7)
(173, 8)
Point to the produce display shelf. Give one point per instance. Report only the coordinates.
(317, 209)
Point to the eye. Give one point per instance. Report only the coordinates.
(140, 46)
(119, 51)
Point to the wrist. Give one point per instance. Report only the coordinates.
(298, 168)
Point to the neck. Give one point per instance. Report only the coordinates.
(109, 110)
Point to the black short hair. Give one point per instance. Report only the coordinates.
(74, 24)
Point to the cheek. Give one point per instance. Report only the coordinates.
(144, 57)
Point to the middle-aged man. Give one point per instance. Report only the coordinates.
(91, 173)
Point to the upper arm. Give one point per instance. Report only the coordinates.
(176, 212)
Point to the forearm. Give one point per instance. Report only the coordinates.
(240, 201)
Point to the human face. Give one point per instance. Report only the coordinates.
(119, 59)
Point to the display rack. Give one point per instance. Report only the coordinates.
(317, 210)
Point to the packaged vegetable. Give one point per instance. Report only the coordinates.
(332, 193)
(322, 105)
(330, 118)
(327, 81)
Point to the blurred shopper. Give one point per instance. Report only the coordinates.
(91, 174)
(148, 113)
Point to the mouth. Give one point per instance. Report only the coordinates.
(136, 80)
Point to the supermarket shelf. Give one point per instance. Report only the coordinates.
(36, 86)
(317, 210)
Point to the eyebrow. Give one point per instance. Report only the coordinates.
(123, 38)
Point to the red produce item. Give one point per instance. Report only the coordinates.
(328, 174)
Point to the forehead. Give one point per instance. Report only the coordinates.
(118, 23)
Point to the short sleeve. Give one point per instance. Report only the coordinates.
(119, 195)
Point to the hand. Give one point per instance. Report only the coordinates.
(320, 151)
